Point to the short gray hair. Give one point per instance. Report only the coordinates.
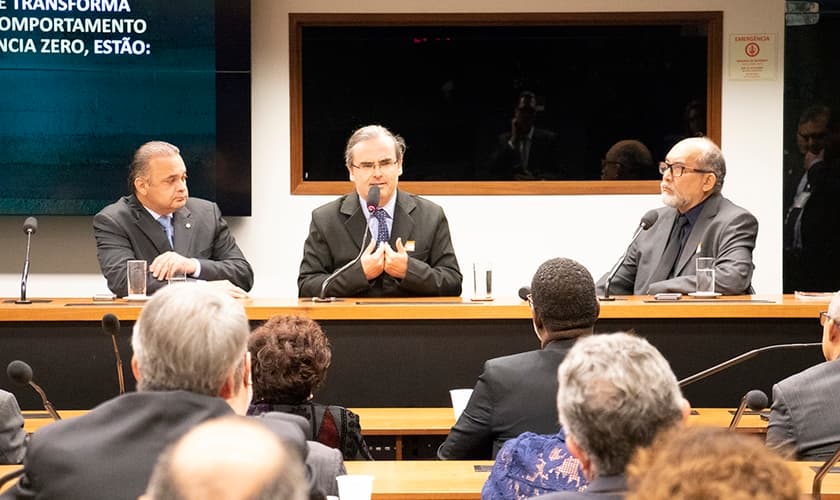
(142, 157)
(189, 337)
(710, 157)
(834, 307)
(615, 392)
(369, 132)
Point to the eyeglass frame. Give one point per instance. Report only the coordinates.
(370, 166)
(682, 166)
(824, 317)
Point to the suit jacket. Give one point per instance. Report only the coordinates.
(726, 231)
(514, 394)
(12, 435)
(110, 452)
(125, 230)
(335, 238)
(803, 416)
(603, 488)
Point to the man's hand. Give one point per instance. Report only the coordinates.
(811, 158)
(396, 262)
(373, 261)
(169, 263)
(229, 288)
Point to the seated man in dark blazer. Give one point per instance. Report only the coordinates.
(803, 417)
(696, 222)
(415, 256)
(161, 224)
(516, 393)
(191, 364)
(615, 393)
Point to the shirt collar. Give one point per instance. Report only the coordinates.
(389, 207)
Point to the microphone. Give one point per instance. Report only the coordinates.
(372, 204)
(30, 226)
(21, 373)
(755, 400)
(740, 359)
(524, 292)
(111, 326)
(648, 220)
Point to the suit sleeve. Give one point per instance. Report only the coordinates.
(227, 261)
(780, 434)
(472, 435)
(114, 250)
(439, 274)
(319, 263)
(12, 435)
(733, 260)
(625, 278)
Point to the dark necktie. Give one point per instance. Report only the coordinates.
(166, 222)
(672, 250)
(382, 234)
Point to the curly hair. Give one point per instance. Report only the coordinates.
(563, 295)
(709, 463)
(290, 356)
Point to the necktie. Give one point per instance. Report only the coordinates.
(680, 236)
(166, 222)
(672, 250)
(382, 234)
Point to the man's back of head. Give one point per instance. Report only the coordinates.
(189, 337)
(616, 391)
(232, 458)
(563, 299)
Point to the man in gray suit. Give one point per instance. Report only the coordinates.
(415, 256)
(161, 224)
(696, 222)
(516, 393)
(803, 417)
(12, 435)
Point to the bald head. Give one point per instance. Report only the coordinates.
(232, 458)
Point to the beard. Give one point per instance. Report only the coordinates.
(672, 200)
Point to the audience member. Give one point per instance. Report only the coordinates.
(161, 224)
(709, 463)
(230, 458)
(291, 356)
(803, 413)
(696, 221)
(628, 160)
(416, 255)
(12, 435)
(615, 393)
(811, 245)
(530, 465)
(515, 394)
(191, 364)
(526, 152)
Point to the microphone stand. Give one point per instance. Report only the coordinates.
(330, 278)
(47, 405)
(816, 486)
(617, 265)
(120, 379)
(24, 275)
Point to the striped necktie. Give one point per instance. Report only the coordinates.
(166, 222)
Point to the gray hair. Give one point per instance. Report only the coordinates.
(710, 157)
(189, 337)
(834, 307)
(372, 132)
(190, 468)
(615, 392)
(142, 157)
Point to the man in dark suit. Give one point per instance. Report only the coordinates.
(516, 393)
(159, 223)
(803, 416)
(615, 393)
(191, 364)
(697, 222)
(415, 256)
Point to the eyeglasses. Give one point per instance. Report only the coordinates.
(817, 136)
(678, 169)
(368, 166)
(604, 163)
(824, 317)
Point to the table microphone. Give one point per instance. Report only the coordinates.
(21, 373)
(740, 359)
(372, 204)
(648, 220)
(755, 400)
(111, 326)
(524, 292)
(30, 226)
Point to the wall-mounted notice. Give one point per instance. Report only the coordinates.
(753, 56)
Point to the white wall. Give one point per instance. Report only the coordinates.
(591, 229)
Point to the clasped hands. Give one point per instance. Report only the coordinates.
(376, 260)
(170, 263)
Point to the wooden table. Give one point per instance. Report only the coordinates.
(397, 352)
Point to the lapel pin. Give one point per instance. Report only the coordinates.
(188, 225)
(409, 246)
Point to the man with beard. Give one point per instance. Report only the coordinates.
(697, 221)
